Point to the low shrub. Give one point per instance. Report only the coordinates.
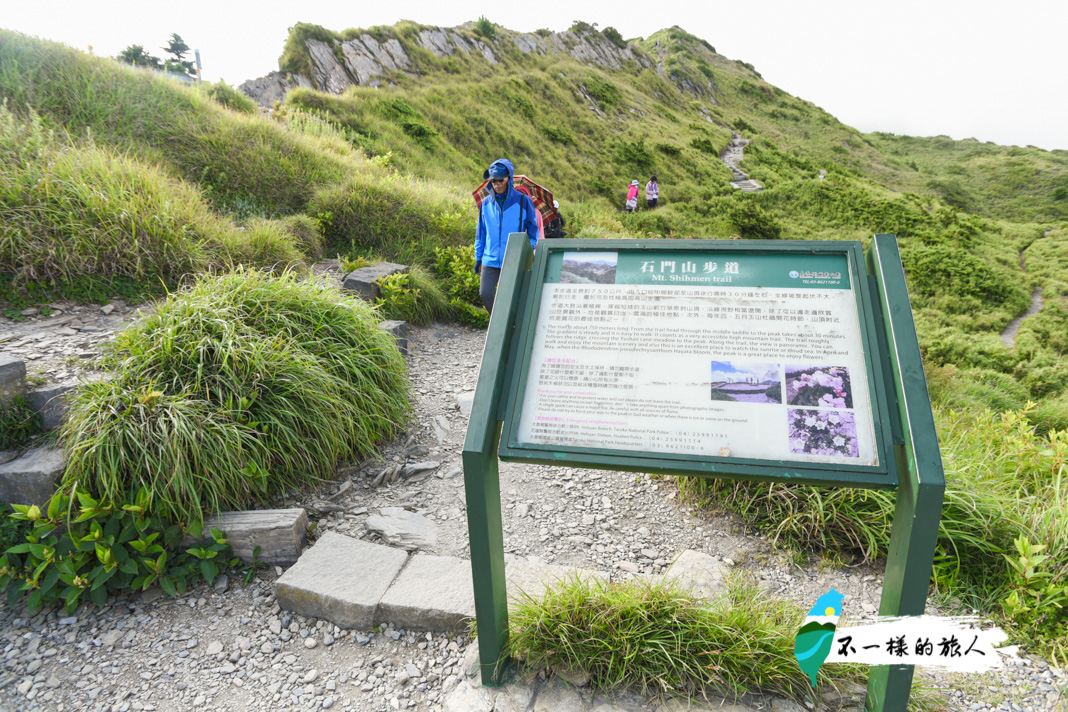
(485, 28)
(752, 221)
(561, 136)
(413, 297)
(603, 91)
(660, 639)
(232, 392)
(613, 36)
(456, 265)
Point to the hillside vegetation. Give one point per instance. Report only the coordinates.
(108, 172)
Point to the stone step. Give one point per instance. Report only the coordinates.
(341, 580)
(32, 478)
(363, 281)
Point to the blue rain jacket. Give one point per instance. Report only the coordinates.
(495, 223)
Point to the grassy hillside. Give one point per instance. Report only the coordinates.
(586, 131)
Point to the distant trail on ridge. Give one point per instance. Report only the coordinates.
(732, 157)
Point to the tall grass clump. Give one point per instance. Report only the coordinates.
(234, 391)
(661, 639)
(70, 211)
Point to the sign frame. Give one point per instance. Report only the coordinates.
(880, 476)
(906, 423)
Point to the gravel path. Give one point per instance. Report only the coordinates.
(225, 647)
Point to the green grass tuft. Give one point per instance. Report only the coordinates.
(659, 639)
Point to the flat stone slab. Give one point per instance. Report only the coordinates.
(399, 331)
(433, 593)
(341, 580)
(12, 378)
(279, 533)
(399, 527)
(362, 281)
(699, 573)
(32, 478)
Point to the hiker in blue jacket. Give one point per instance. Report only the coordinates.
(508, 211)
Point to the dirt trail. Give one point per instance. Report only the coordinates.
(731, 157)
(1008, 336)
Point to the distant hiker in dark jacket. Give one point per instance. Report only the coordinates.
(506, 211)
(555, 227)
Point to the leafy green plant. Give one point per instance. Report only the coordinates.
(413, 297)
(83, 549)
(18, 423)
(351, 265)
(468, 314)
(456, 265)
(1037, 605)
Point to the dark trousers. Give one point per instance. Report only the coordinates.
(487, 288)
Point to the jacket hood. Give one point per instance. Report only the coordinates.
(508, 165)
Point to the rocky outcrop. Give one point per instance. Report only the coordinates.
(363, 60)
(595, 49)
(329, 74)
(265, 91)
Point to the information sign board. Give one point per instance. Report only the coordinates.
(775, 361)
(735, 358)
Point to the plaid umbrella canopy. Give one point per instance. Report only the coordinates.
(541, 197)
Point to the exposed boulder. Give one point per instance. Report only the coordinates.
(265, 91)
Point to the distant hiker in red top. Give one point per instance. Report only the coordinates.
(632, 197)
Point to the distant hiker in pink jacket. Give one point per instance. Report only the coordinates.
(632, 197)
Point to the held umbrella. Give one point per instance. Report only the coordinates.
(541, 197)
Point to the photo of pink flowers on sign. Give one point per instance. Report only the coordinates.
(819, 386)
(822, 432)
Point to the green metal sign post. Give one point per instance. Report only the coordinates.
(792, 293)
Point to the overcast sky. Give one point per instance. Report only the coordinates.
(993, 71)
